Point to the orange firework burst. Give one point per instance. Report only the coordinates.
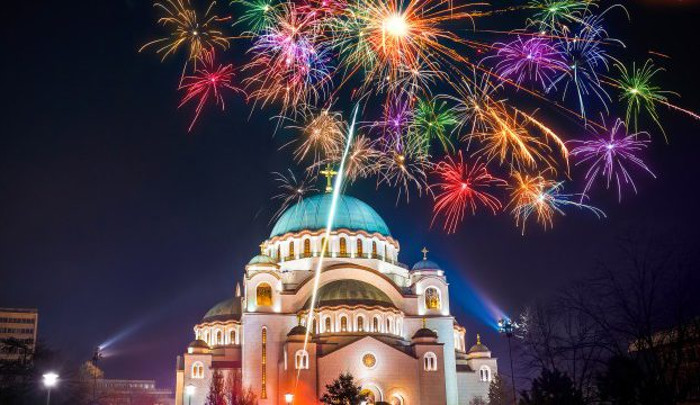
(510, 138)
(542, 197)
(462, 185)
(323, 137)
(391, 39)
(187, 28)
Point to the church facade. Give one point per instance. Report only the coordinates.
(390, 326)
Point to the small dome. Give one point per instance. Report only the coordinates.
(227, 310)
(262, 259)
(425, 333)
(312, 213)
(479, 348)
(350, 292)
(198, 344)
(298, 330)
(425, 264)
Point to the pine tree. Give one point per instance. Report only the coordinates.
(552, 388)
(500, 392)
(343, 391)
(216, 394)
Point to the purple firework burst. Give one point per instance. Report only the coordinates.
(612, 155)
(533, 59)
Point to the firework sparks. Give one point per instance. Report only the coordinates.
(609, 157)
(290, 64)
(462, 186)
(209, 81)
(544, 198)
(554, 14)
(258, 15)
(291, 190)
(322, 137)
(534, 59)
(187, 28)
(433, 120)
(639, 93)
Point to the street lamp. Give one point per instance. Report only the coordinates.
(288, 398)
(50, 380)
(189, 391)
(507, 327)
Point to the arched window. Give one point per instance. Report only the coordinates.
(291, 249)
(432, 298)
(328, 325)
(314, 327)
(397, 399)
(388, 325)
(343, 323)
(386, 254)
(361, 324)
(206, 338)
(279, 253)
(485, 374)
(359, 248)
(263, 295)
(374, 249)
(219, 337)
(307, 247)
(233, 336)
(375, 324)
(324, 248)
(301, 360)
(343, 247)
(197, 370)
(430, 361)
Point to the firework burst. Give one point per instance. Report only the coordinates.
(187, 28)
(610, 156)
(291, 190)
(257, 15)
(433, 120)
(461, 186)
(322, 138)
(208, 82)
(535, 59)
(289, 63)
(543, 198)
(640, 93)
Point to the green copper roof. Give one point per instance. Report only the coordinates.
(350, 292)
(262, 259)
(226, 310)
(312, 214)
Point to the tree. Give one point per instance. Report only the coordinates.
(343, 391)
(478, 401)
(236, 394)
(500, 392)
(216, 395)
(552, 387)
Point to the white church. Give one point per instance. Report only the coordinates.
(388, 325)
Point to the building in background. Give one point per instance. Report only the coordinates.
(18, 331)
(389, 325)
(107, 391)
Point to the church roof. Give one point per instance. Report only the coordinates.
(227, 310)
(479, 348)
(350, 292)
(426, 264)
(425, 333)
(262, 259)
(312, 213)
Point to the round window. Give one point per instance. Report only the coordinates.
(369, 360)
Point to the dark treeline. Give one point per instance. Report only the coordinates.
(626, 334)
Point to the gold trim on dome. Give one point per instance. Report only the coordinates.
(340, 266)
(334, 232)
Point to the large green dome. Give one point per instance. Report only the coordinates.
(312, 213)
(350, 292)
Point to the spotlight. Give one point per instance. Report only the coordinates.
(288, 398)
(50, 380)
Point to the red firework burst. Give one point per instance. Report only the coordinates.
(208, 81)
(462, 185)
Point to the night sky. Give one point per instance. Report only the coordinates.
(118, 225)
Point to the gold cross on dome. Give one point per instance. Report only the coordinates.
(425, 253)
(262, 248)
(329, 173)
